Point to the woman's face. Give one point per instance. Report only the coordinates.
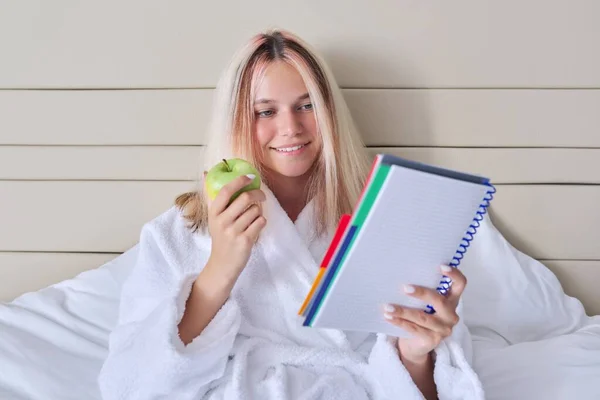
(285, 124)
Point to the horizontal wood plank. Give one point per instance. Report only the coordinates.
(550, 222)
(385, 117)
(579, 279)
(80, 216)
(28, 272)
(150, 43)
(510, 165)
(156, 163)
(477, 118)
(152, 163)
(104, 117)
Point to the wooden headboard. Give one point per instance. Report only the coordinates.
(103, 108)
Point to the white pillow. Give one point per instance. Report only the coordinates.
(512, 298)
(530, 340)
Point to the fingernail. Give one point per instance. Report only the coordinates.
(446, 268)
(389, 308)
(409, 289)
(251, 176)
(388, 316)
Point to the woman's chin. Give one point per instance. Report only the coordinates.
(290, 171)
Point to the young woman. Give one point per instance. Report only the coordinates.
(210, 310)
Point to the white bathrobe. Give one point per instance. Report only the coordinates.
(256, 346)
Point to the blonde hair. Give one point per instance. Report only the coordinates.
(343, 162)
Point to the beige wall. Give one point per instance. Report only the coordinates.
(103, 105)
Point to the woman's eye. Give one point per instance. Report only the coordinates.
(265, 113)
(306, 107)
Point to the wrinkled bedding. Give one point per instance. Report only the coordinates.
(531, 341)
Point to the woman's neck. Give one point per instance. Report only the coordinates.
(291, 192)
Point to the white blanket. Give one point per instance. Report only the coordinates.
(530, 340)
(255, 347)
(53, 341)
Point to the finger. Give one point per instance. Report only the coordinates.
(223, 198)
(418, 317)
(242, 203)
(206, 196)
(444, 309)
(255, 227)
(459, 283)
(430, 296)
(247, 217)
(428, 337)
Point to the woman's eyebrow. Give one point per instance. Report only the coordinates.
(263, 101)
(269, 101)
(304, 97)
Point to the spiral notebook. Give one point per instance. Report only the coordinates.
(411, 218)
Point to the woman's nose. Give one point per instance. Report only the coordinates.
(289, 124)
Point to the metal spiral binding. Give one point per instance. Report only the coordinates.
(446, 282)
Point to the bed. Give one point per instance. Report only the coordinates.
(91, 149)
(537, 342)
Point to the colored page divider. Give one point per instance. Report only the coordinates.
(336, 242)
(337, 237)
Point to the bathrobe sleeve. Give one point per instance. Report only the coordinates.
(147, 359)
(453, 375)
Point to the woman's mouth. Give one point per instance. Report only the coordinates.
(291, 150)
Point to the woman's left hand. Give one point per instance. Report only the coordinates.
(428, 330)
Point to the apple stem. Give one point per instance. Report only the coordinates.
(227, 165)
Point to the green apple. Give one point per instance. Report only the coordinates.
(226, 171)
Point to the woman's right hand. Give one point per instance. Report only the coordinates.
(234, 228)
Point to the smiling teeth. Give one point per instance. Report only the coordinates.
(288, 149)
